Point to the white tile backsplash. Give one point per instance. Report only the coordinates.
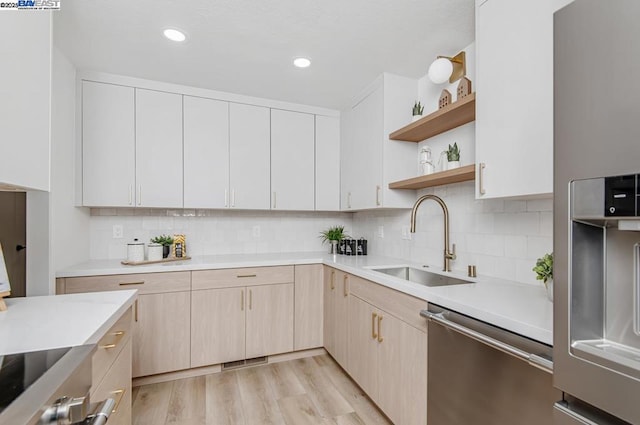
(503, 238)
(211, 232)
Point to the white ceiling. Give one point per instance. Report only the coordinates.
(247, 46)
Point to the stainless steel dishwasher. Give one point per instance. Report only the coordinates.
(483, 375)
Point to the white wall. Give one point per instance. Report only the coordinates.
(213, 232)
(25, 77)
(70, 224)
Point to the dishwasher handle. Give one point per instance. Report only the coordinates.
(532, 359)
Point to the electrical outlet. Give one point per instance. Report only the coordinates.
(381, 231)
(118, 231)
(406, 234)
(256, 231)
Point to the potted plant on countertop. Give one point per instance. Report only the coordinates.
(544, 272)
(418, 109)
(166, 241)
(333, 235)
(453, 157)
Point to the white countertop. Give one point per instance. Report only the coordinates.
(57, 321)
(520, 308)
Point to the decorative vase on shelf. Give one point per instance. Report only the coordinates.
(166, 250)
(416, 118)
(333, 247)
(453, 164)
(549, 287)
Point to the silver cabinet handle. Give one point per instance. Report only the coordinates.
(139, 194)
(562, 407)
(530, 358)
(348, 199)
(233, 198)
(274, 200)
(481, 178)
(378, 196)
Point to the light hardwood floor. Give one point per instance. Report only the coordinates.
(313, 390)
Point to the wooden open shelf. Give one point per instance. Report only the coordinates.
(457, 175)
(451, 116)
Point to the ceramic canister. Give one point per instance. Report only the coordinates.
(135, 251)
(154, 252)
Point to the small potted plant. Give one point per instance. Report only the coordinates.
(333, 235)
(544, 272)
(418, 109)
(453, 157)
(166, 241)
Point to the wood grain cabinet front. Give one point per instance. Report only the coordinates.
(161, 316)
(117, 385)
(336, 297)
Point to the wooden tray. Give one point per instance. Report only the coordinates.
(164, 260)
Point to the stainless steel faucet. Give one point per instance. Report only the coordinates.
(448, 255)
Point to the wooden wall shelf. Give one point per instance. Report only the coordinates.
(457, 175)
(445, 119)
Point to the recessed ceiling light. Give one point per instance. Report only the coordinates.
(174, 34)
(301, 62)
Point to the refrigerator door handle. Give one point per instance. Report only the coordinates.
(530, 358)
(563, 408)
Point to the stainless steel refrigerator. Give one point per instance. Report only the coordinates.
(597, 212)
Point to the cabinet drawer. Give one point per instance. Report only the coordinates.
(110, 346)
(229, 278)
(145, 283)
(403, 306)
(117, 385)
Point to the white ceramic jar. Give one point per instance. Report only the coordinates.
(154, 252)
(135, 251)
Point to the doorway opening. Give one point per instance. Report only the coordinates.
(13, 237)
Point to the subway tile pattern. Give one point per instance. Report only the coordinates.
(503, 238)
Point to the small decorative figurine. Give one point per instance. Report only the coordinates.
(445, 99)
(464, 88)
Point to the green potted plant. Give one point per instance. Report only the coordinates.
(166, 241)
(333, 235)
(453, 157)
(418, 109)
(544, 272)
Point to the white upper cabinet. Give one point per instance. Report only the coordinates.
(514, 107)
(25, 90)
(292, 160)
(249, 153)
(327, 163)
(158, 149)
(108, 145)
(206, 153)
(369, 160)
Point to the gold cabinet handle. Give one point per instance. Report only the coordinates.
(333, 280)
(250, 299)
(242, 300)
(135, 312)
(374, 335)
(120, 394)
(378, 196)
(345, 292)
(380, 338)
(119, 335)
(131, 283)
(481, 178)
(240, 276)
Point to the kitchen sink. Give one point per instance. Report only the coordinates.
(419, 276)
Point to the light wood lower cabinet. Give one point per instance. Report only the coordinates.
(308, 305)
(336, 295)
(232, 322)
(269, 320)
(388, 359)
(217, 326)
(111, 369)
(117, 385)
(161, 333)
(161, 316)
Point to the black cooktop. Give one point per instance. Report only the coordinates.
(19, 371)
